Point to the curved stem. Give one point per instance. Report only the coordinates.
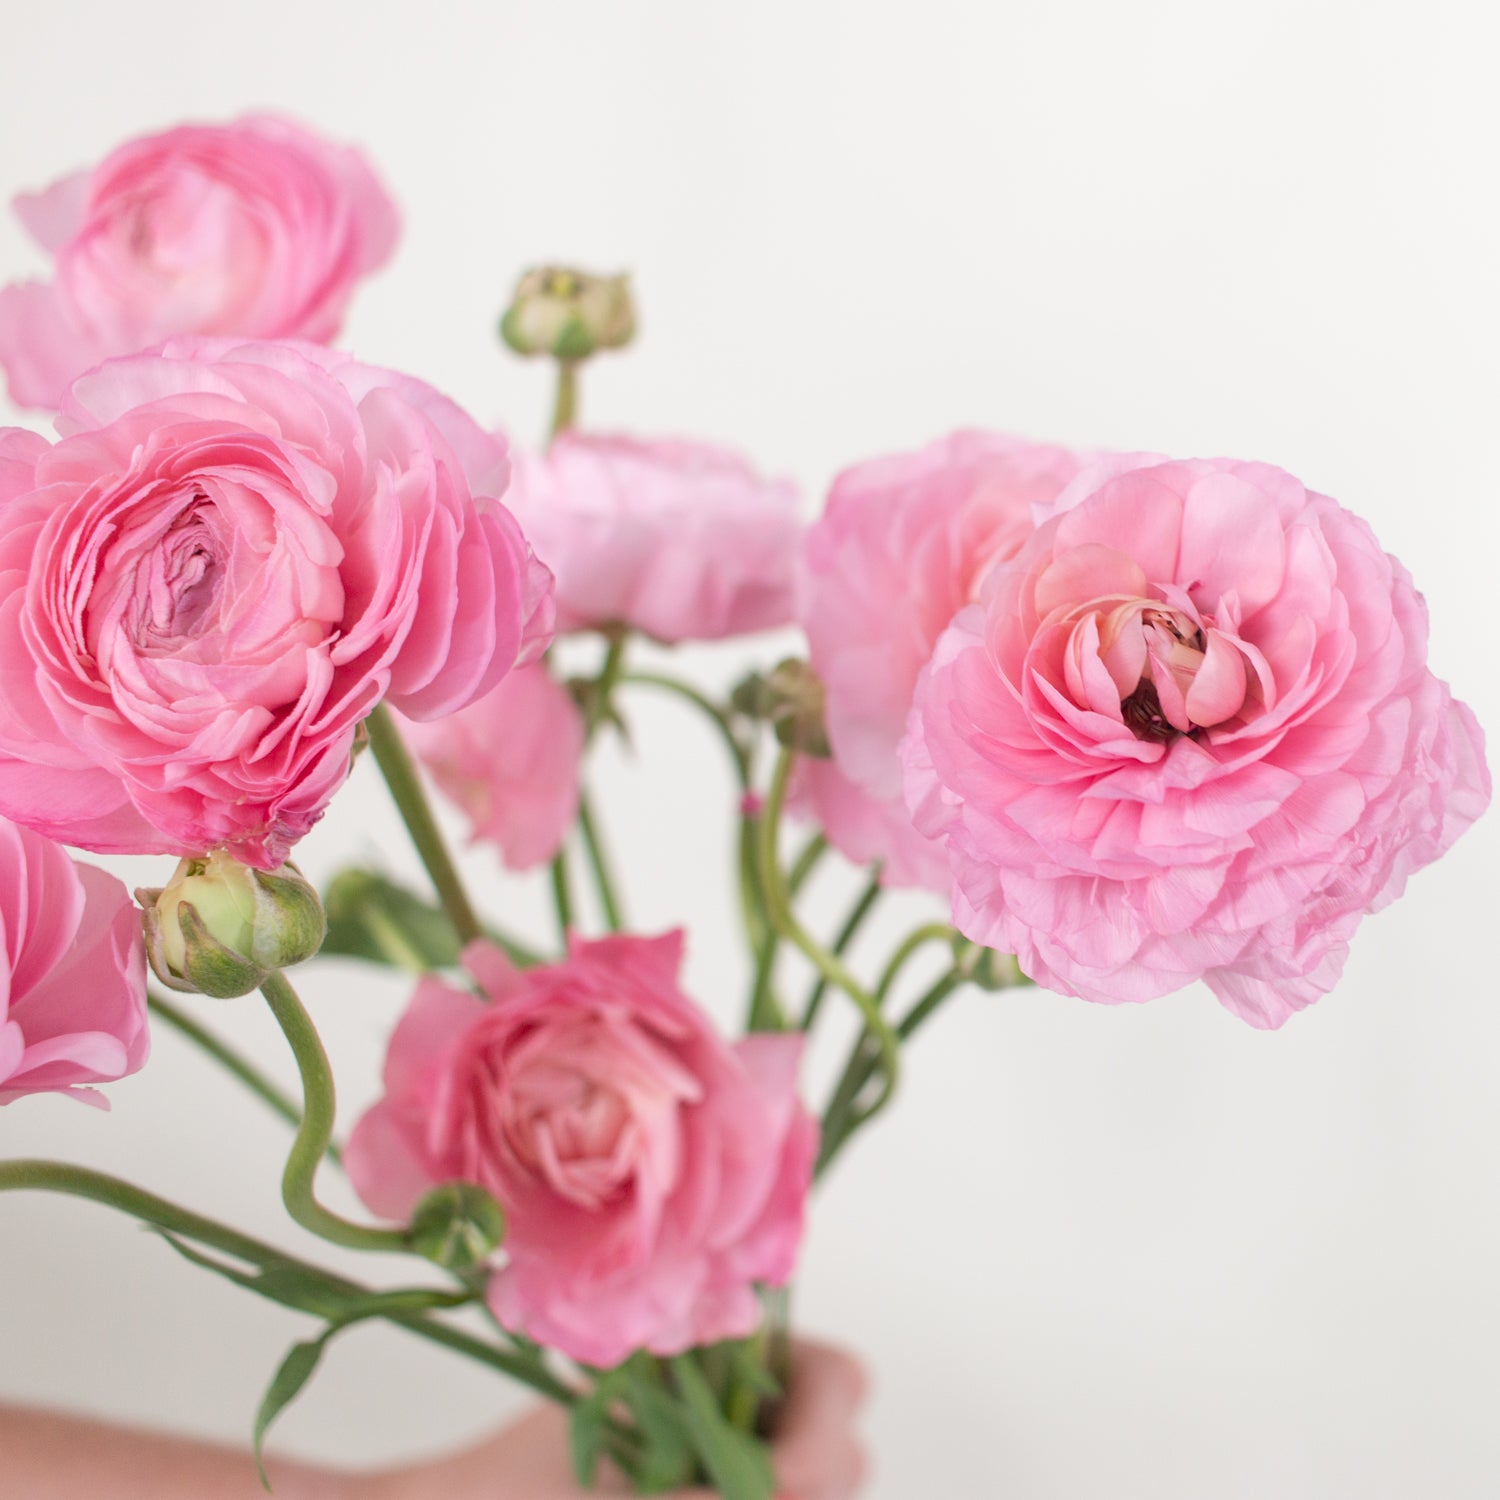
(706, 706)
(114, 1192)
(830, 965)
(843, 1118)
(400, 773)
(845, 935)
(247, 1073)
(932, 932)
(316, 1130)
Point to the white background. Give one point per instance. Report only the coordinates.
(1137, 1252)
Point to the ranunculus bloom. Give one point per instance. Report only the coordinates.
(903, 545)
(1190, 732)
(235, 552)
(72, 973)
(681, 540)
(651, 1174)
(512, 761)
(258, 229)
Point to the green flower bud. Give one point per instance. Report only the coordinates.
(790, 699)
(985, 967)
(219, 927)
(568, 314)
(457, 1226)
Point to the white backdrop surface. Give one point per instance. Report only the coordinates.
(1140, 1253)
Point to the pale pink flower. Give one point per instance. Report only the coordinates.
(257, 229)
(902, 546)
(682, 540)
(512, 761)
(72, 973)
(651, 1174)
(234, 552)
(1189, 732)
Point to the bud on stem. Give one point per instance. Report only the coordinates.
(568, 314)
(220, 928)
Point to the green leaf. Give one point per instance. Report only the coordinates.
(286, 1384)
(311, 1292)
(586, 1433)
(288, 1285)
(746, 1362)
(669, 1456)
(738, 1464)
(375, 919)
(590, 1423)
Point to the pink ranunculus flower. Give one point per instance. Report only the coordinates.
(651, 1174)
(902, 546)
(1189, 732)
(682, 540)
(512, 761)
(231, 556)
(72, 973)
(257, 229)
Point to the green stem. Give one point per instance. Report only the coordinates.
(830, 965)
(932, 932)
(316, 1130)
(841, 1120)
(610, 673)
(751, 903)
(845, 935)
(929, 1002)
(708, 708)
(247, 1073)
(599, 863)
(562, 895)
(806, 862)
(114, 1192)
(565, 403)
(400, 773)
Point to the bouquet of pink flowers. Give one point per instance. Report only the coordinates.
(1134, 721)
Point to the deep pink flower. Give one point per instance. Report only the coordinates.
(235, 552)
(72, 973)
(1189, 732)
(902, 546)
(258, 229)
(512, 761)
(681, 540)
(651, 1174)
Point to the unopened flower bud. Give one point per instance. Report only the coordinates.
(568, 314)
(220, 928)
(790, 699)
(986, 968)
(457, 1226)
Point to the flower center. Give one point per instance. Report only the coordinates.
(180, 580)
